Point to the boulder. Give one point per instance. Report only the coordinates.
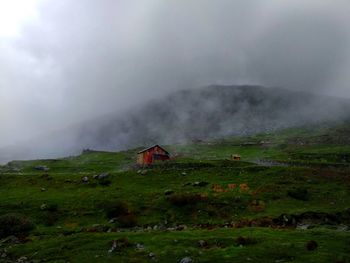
(85, 179)
(200, 184)
(202, 243)
(101, 176)
(168, 192)
(41, 168)
(186, 260)
(43, 207)
(140, 246)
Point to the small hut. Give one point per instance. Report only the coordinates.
(151, 154)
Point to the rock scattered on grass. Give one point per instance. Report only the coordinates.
(140, 246)
(114, 247)
(41, 168)
(202, 243)
(168, 192)
(101, 176)
(200, 184)
(142, 172)
(22, 260)
(186, 260)
(85, 179)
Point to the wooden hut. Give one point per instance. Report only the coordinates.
(151, 154)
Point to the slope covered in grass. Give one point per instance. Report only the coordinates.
(291, 188)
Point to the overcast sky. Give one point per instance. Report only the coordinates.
(65, 61)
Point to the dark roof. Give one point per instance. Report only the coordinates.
(145, 150)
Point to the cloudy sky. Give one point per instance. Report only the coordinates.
(66, 61)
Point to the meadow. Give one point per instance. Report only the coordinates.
(287, 200)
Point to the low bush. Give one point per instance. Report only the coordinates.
(129, 220)
(311, 245)
(183, 199)
(116, 209)
(299, 194)
(48, 218)
(121, 211)
(52, 208)
(12, 224)
(104, 182)
(245, 241)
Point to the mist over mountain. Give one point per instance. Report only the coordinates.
(66, 62)
(194, 114)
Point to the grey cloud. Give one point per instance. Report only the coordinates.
(86, 58)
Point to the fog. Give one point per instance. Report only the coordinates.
(73, 61)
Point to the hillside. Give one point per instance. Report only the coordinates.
(189, 115)
(212, 112)
(286, 201)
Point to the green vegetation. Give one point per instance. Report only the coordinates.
(286, 201)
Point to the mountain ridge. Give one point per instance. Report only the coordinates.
(210, 112)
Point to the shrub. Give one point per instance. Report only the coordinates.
(299, 194)
(122, 212)
(104, 182)
(184, 199)
(311, 245)
(11, 224)
(244, 241)
(117, 209)
(129, 220)
(48, 218)
(52, 208)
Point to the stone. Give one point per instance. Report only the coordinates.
(43, 189)
(151, 255)
(181, 227)
(200, 184)
(9, 239)
(113, 220)
(140, 246)
(85, 179)
(101, 176)
(114, 247)
(186, 260)
(41, 168)
(43, 207)
(202, 243)
(22, 259)
(168, 192)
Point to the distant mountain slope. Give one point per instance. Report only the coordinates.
(195, 114)
(212, 112)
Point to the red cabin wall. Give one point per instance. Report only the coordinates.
(148, 155)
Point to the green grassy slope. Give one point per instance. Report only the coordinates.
(242, 211)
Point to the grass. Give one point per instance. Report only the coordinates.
(73, 218)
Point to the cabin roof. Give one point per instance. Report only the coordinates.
(156, 145)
